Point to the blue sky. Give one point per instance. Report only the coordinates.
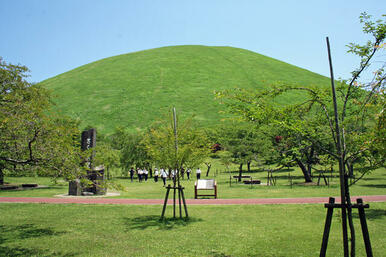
(53, 36)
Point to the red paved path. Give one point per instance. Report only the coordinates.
(90, 200)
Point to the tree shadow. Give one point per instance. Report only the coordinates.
(144, 222)
(218, 254)
(376, 185)
(12, 234)
(122, 177)
(365, 178)
(22, 252)
(372, 214)
(287, 177)
(285, 170)
(31, 188)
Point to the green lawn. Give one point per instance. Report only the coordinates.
(372, 184)
(116, 230)
(238, 230)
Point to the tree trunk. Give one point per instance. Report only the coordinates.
(1, 176)
(249, 166)
(240, 171)
(306, 173)
(309, 170)
(107, 173)
(208, 165)
(350, 168)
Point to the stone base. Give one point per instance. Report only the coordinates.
(75, 187)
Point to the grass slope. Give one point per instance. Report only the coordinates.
(134, 89)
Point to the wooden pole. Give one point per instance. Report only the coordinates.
(365, 231)
(166, 201)
(183, 199)
(340, 156)
(327, 227)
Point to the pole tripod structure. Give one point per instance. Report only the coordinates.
(176, 179)
(345, 204)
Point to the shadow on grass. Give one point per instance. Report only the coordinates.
(372, 214)
(144, 222)
(376, 185)
(218, 254)
(13, 234)
(366, 179)
(21, 189)
(286, 177)
(20, 251)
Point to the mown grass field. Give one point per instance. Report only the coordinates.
(372, 184)
(237, 230)
(116, 230)
(133, 90)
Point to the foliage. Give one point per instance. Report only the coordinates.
(30, 136)
(311, 120)
(132, 150)
(354, 129)
(193, 145)
(107, 156)
(245, 143)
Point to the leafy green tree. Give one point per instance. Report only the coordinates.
(132, 150)
(245, 143)
(351, 131)
(193, 145)
(107, 156)
(30, 136)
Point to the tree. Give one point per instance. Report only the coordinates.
(245, 143)
(132, 150)
(351, 131)
(193, 145)
(30, 136)
(107, 156)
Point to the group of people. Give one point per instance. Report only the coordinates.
(164, 174)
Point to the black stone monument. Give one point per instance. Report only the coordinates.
(94, 174)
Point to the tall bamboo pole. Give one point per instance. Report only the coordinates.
(340, 154)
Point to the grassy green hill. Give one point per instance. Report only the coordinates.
(134, 89)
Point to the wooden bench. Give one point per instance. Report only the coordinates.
(205, 184)
(252, 181)
(242, 177)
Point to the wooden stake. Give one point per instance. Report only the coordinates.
(340, 156)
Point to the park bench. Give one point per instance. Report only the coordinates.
(242, 177)
(205, 184)
(252, 181)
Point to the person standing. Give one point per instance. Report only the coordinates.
(188, 173)
(182, 172)
(198, 173)
(145, 173)
(164, 175)
(156, 174)
(140, 174)
(131, 174)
